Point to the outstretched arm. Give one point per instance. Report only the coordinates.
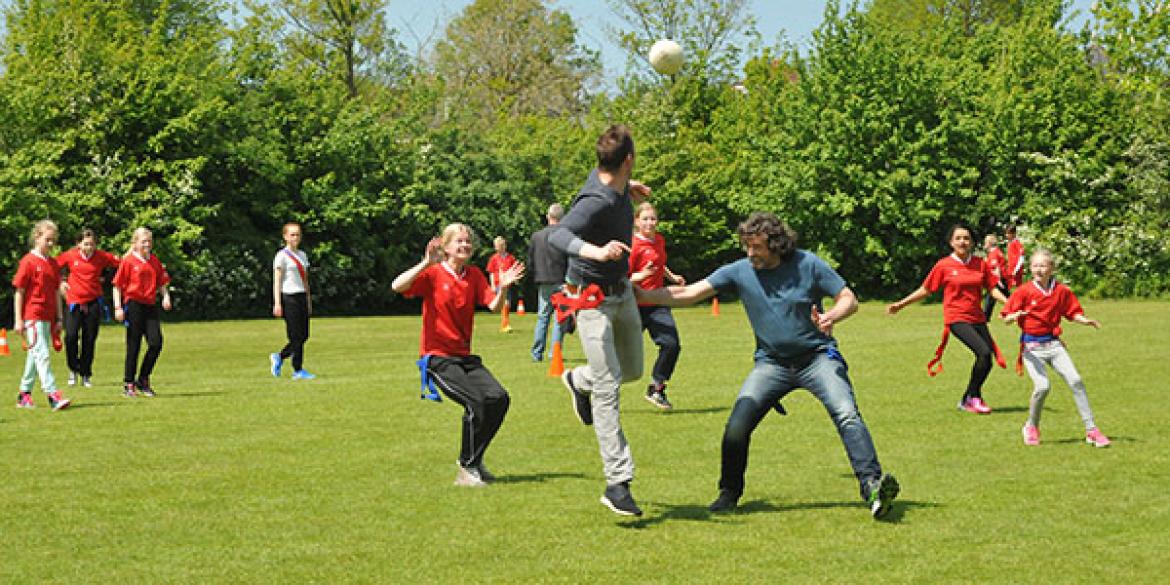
(914, 297)
(433, 255)
(676, 296)
(507, 279)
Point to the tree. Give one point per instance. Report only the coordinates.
(515, 57)
(709, 31)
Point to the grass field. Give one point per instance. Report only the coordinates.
(231, 476)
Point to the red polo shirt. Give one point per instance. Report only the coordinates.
(85, 274)
(498, 263)
(1014, 269)
(449, 302)
(996, 261)
(139, 278)
(962, 284)
(1045, 307)
(40, 278)
(645, 252)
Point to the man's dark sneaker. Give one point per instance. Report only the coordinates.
(144, 388)
(656, 395)
(618, 498)
(725, 503)
(881, 495)
(581, 405)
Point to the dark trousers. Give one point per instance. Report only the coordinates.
(295, 308)
(978, 339)
(143, 321)
(989, 301)
(82, 324)
(659, 321)
(485, 402)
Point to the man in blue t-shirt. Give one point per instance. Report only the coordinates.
(781, 288)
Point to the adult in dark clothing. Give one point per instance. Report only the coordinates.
(548, 267)
(595, 234)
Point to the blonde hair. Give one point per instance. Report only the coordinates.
(643, 206)
(1046, 254)
(138, 233)
(499, 240)
(39, 228)
(453, 229)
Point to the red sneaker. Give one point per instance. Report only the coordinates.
(1096, 438)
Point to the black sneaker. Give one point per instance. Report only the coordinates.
(656, 395)
(618, 498)
(144, 388)
(725, 503)
(581, 404)
(881, 495)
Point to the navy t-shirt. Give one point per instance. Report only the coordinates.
(779, 301)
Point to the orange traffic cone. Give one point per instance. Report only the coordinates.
(556, 366)
(520, 308)
(4, 343)
(715, 307)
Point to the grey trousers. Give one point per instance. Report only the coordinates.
(1053, 353)
(611, 339)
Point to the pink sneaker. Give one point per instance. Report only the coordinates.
(974, 406)
(1095, 438)
(57, 401)
(1031, 435)
(24, 400)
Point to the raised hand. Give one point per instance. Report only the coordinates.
(512, 275)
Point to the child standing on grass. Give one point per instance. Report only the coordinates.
(137, 283)
(84, 303)
(648, 271)
(962, 277)
(1037, 307)
(451, 288)
(36, 306)
(497, 264)
(292, 300)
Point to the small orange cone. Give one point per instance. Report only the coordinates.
(505, 324)
(556, 366)
(520, 308)
(4, 343)
(715, 307)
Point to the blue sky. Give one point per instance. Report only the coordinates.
(422, 21)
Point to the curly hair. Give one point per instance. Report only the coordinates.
(781, 238)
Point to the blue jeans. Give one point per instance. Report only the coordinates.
(545, 312)
(826, 377)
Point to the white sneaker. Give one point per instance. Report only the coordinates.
(85, 381)
(468, 477)
(72, 378)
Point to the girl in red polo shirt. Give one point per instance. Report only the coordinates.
(36, 305)
(451, 288)
(139, 279)
(83, 303)
(962, 277)
(648, 270)
(497, 264)
(1038, 308)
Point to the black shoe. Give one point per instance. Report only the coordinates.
(144, 388)
(725, 503)
(656, 394)
(881, 495)
(581, 404)
(618, 498)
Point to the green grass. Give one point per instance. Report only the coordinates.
(231, 476)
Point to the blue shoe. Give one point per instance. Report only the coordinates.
(303, 375)
(277, 362)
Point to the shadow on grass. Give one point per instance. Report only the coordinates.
(708, 410)
(538, 477)
(1081, 440)
(700, 513)
(190, 394)
(1011, 409)
(77, 405)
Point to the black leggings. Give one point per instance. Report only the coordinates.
(989, 301)
(142, 321)
(82, 322)
(978, 339)
(295, 308)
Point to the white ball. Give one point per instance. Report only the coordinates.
(666, 57)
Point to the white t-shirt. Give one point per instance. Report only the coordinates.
(292, 282)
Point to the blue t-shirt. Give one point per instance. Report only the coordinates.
(779, 301)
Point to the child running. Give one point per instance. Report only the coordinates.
(1037, 308)
(962, 278)
(451, 288)
(36, 305)
(292, 300)
(648, 271)
(84, 303)
(137, 283)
